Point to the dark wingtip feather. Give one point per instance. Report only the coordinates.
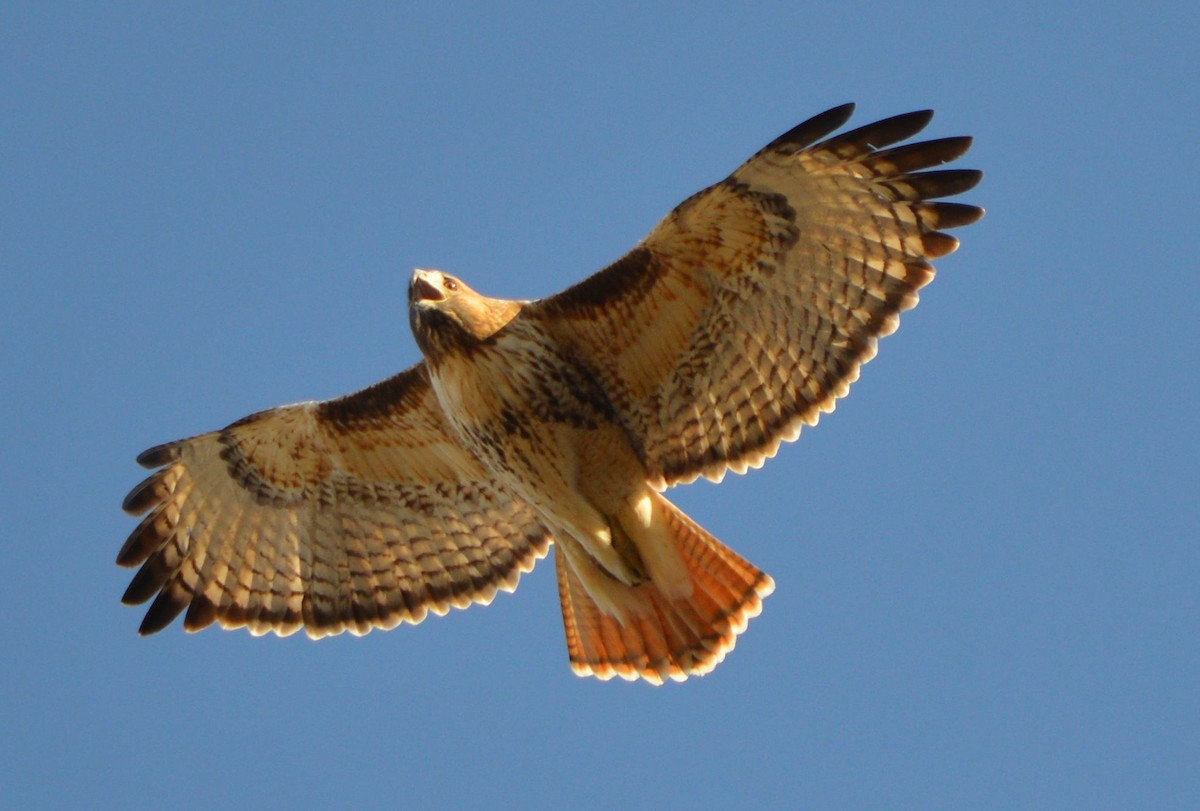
(897, 128)
(200, 614)
(159, 455)
(148, 580)
(162, 612)
(921, 155)
(956, 215)
(143, 496)
(814, 129)
(946, 182)
(964, 142)
(923, 187)
(936, 244)
(142, 542)
(882, 133)
(944, 150)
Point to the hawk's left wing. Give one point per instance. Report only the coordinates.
(348, 514)
(749, 310)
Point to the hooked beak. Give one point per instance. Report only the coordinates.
(421, 289)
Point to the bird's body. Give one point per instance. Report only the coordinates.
(541, 425)
(745, 314)
(545, 428)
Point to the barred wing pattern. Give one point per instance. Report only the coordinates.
(751, 307)
(348, 514)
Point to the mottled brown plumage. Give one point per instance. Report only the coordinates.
(743, 316)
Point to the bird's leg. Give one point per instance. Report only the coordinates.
(628, 552)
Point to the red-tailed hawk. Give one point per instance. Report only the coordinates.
(743, 316)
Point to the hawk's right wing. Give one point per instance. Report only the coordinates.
(348, 514)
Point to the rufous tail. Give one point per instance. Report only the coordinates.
(679, 621)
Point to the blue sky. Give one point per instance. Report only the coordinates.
(986, 559)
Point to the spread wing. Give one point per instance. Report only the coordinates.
(749, 310)
(347, 514)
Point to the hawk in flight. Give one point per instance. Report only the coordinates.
(743, 316)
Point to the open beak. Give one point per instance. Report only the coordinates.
(422, 289)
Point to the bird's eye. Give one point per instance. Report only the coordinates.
(449, 283)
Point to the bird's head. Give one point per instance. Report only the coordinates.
(447, 315)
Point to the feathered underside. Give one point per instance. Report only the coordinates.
(744, 315)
